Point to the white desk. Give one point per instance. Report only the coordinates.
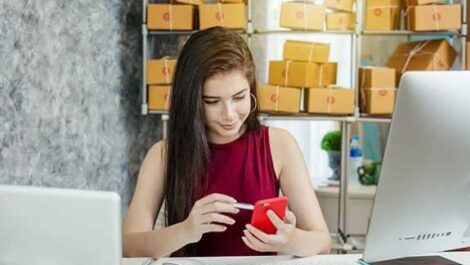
(350, 259)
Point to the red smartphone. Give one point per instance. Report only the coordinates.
(260, 219)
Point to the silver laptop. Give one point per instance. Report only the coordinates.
(59, 226)
(422, 203)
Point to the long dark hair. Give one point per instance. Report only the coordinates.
(206, 53)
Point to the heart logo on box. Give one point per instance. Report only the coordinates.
(383, 93)
(274, 98)
(166, 16)
(330, 100)
(165, 71)
(378, 12)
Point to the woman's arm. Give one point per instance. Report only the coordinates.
(311, 236)
(303, 233)
(139, 238)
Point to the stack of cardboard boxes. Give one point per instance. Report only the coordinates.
(305, 70)
(421, 15)
(430, 55)
(432, 15)
(342, 17)
(303, 15)
(196, 14)
(306, 15)
(377, 90)
(159, 78)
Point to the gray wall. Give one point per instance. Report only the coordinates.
(70, 76)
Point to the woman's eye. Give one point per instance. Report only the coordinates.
(210, 102)
(239, 98)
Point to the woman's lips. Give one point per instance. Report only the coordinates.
(229, 126)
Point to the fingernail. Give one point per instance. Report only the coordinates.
(246, 226)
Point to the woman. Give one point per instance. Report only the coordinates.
(216, 154)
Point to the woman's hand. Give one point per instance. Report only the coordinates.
(205, 216)
(262, 242)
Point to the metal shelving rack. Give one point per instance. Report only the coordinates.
(345, 121)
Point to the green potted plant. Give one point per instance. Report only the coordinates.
(331, 143)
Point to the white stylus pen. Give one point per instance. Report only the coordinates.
(245, 206)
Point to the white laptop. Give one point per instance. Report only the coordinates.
(422, 203)
(59, 226)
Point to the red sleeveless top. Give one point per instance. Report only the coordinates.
(244, 170)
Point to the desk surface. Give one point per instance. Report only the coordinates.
(349, 259)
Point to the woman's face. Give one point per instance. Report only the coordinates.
(227, 104)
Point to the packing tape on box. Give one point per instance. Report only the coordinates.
(310, 51)
(167, 70)
(418, 50)
(170, 11)
(330, 100)
(304, 7)
(320, 76)
(436, 18)
(277, 99)
(166, 97)
(286, 77)
(363, 75)
(221, 14)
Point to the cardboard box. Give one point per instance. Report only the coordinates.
(409, 3)
(376, 101)
(278, 99)
(191, 2)
(437, 55)
(170, 17)
(434, 17)
(326, 74)
(468, 55)
(340, 21)
(305, 51)
(329, 101)
(302, 15)
(376, 77)
(159, 97)
(230, 16)
(160, 71)
(342, 5)
(382, 15)
(302, 74)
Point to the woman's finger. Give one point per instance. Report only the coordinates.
(260, 246)
(277, 222)
(290, 218)
(260, 234)
(215, 197)
(218, 218)
(207, 228)
(219, 207)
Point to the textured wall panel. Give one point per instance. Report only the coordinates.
(70, 97)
